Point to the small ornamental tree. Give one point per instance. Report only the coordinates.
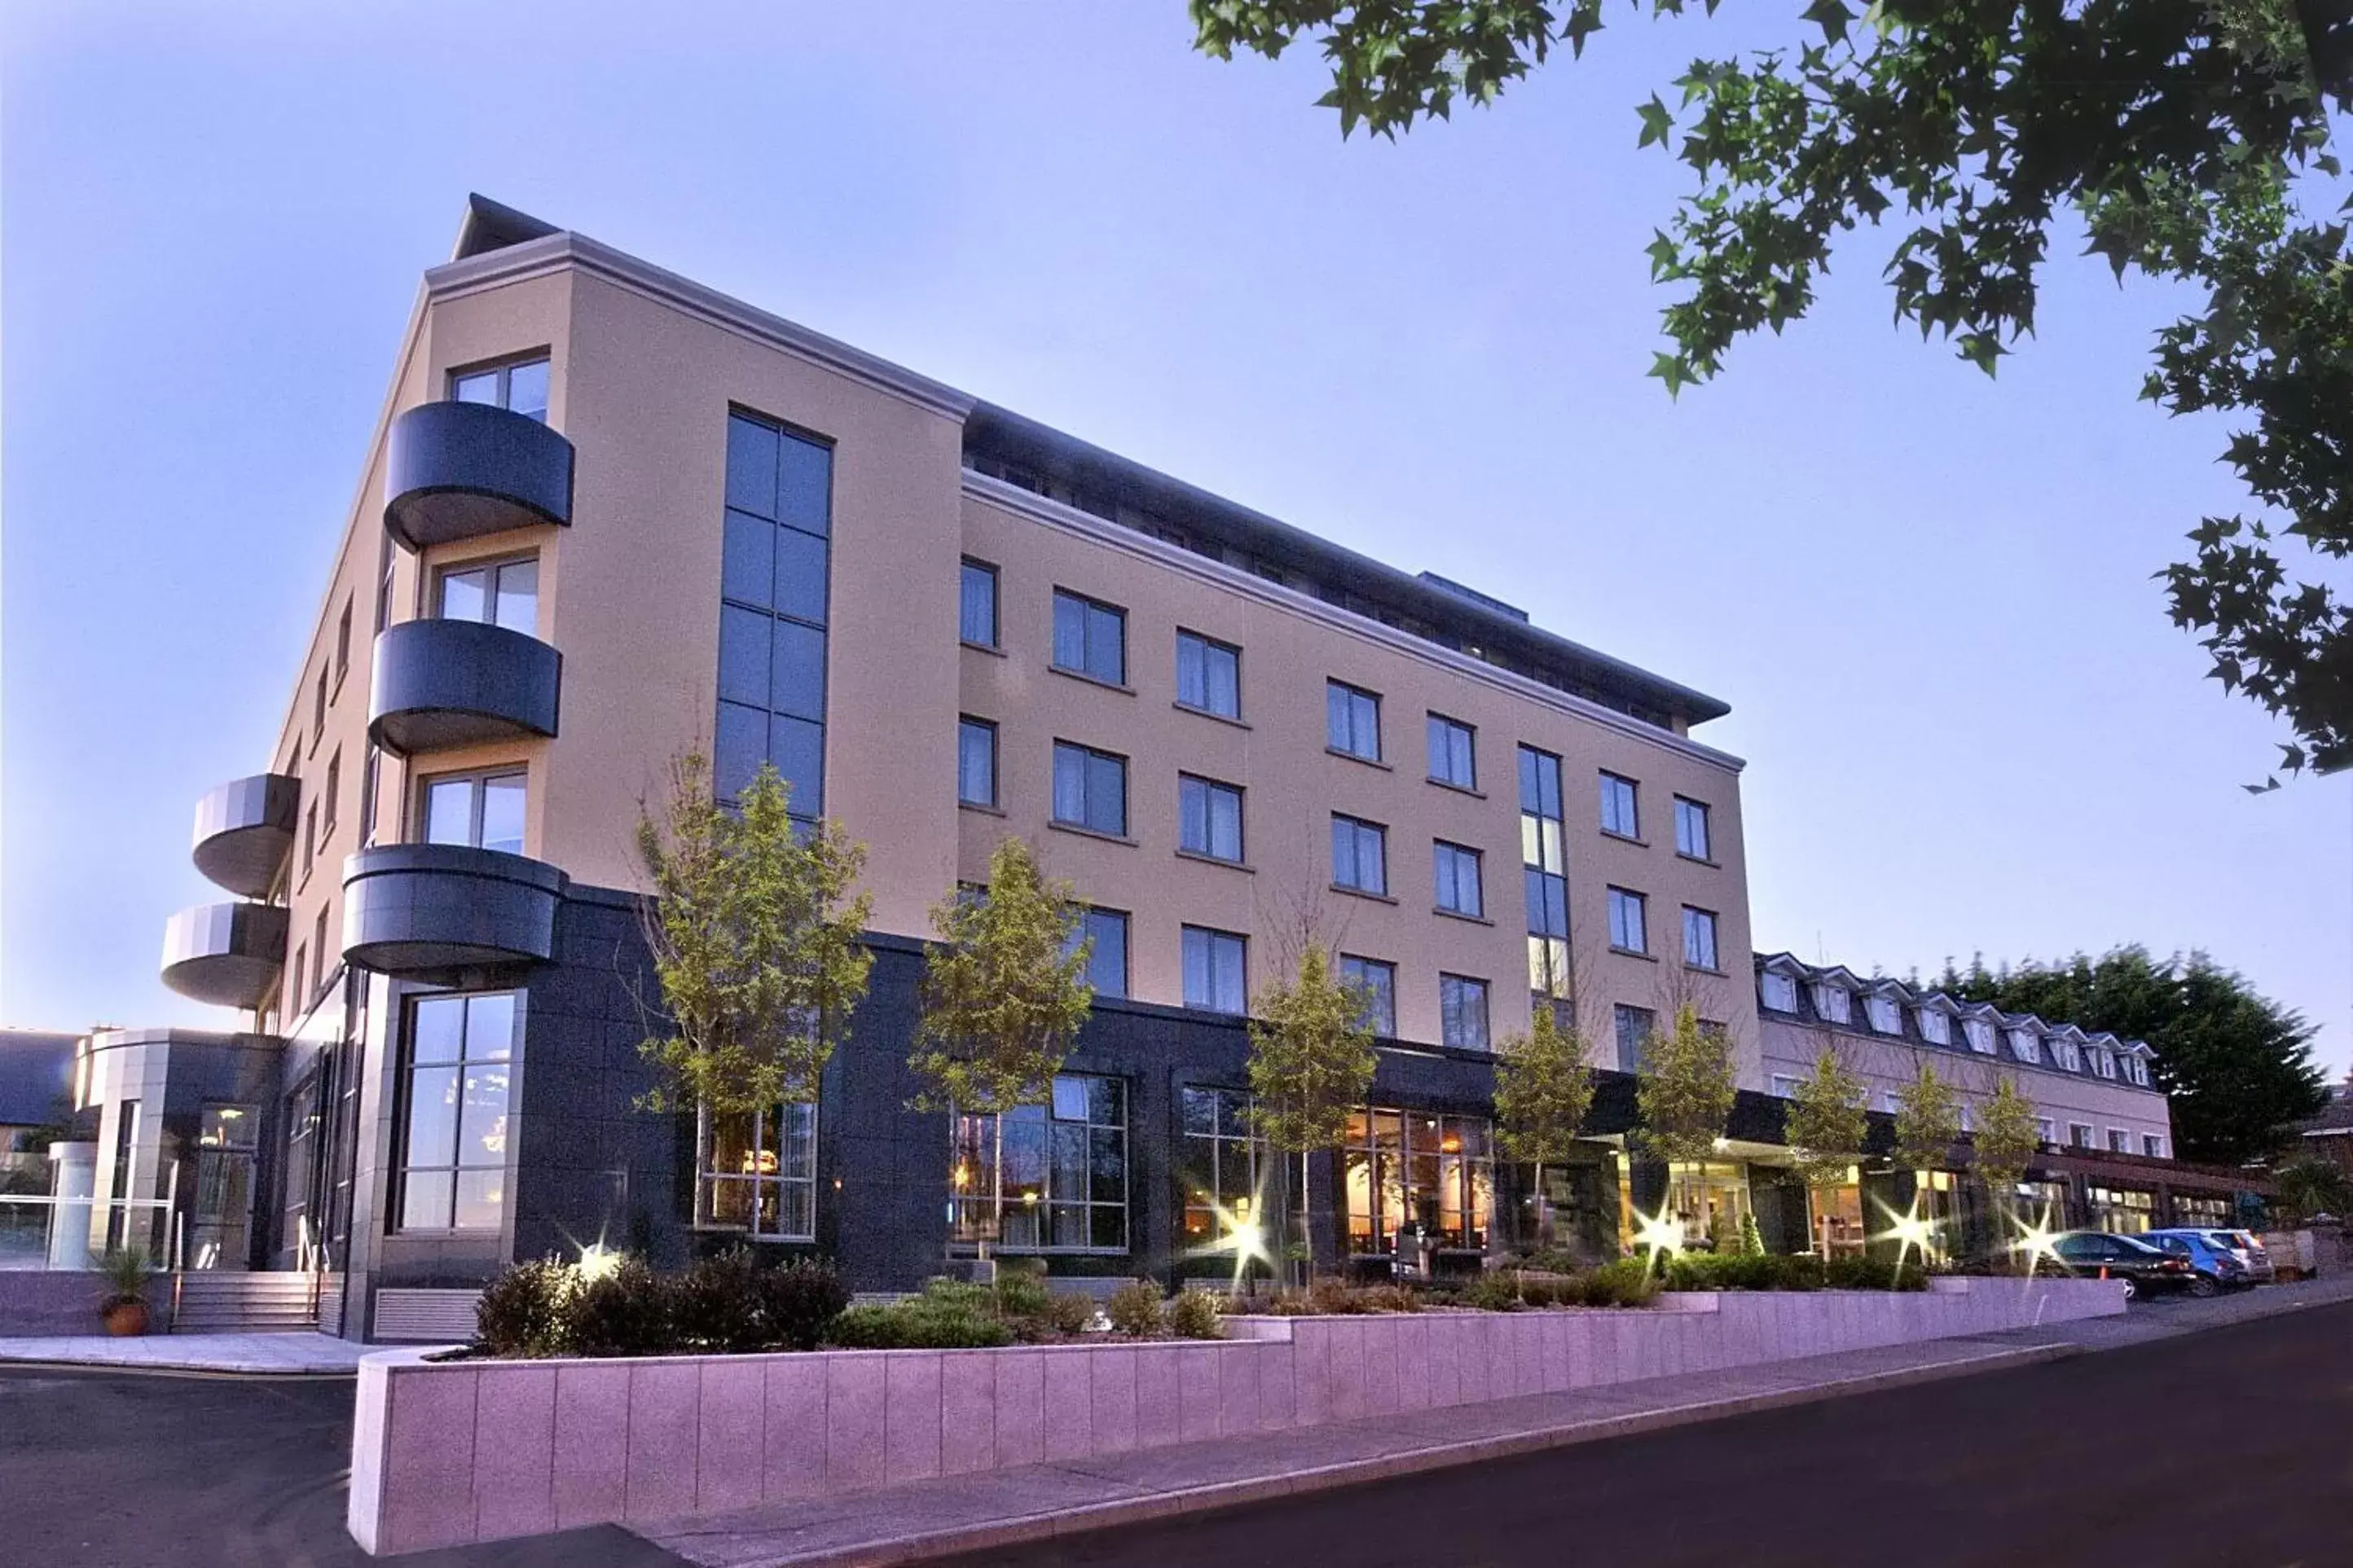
(755, 944)
(1311, 1066)
(1826, 1128)
(1927, 1120)
(1544, 1087)
(1685, 1090)
(2004, 1139)
(1004, 993)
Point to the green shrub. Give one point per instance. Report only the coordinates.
(931, 1322)
(522, 1312)
(715, 1304)
(1195, 1315)
(1134, 1309)
(1627, 1282)
(799, 1298)
(1022, 1295)
(628, 1311)
(1873, 1274)
(1498, 1291)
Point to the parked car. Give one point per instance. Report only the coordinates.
(2215, 1269)
(2146, 1270)
(2244, 1245)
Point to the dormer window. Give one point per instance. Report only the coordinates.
(1885, 1018)
(1980, 1036)
(1833, 1004)
(1779, 993)
(2136, 1070)
(1934, 1028)
(2072, 1058)
(2104, 1061)
(2022, 1047)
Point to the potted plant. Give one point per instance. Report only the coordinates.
(124, 1306)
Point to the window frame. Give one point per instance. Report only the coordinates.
(1211, 790)
(971, 1131)
(1089, 755)
(1438, 726)
(968, 725)
(1688, 810)
(1208, 645)
(404, 1168)
(480, 778)
(1823, 990)
(1376, 979)
(1089, 608)
(504, 369)
(1645, 1028)
(1766, 983)
(1615, 786)
(1358, 828)
(1084, 931)
(1214, 942)
(988, 570)
(1622, 898)
(1443, 853)
(1464, 988)
(796, 1121)
(493, 568)
(1341, 696)
(1697, 918)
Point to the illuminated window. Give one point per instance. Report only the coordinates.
(1044, 1178)
(1428, 1175)
(760, 1173)
(1544, 872)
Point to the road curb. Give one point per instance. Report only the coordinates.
(1036, 1527)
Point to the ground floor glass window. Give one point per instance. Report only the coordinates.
(2120, 1211)
(456, 1073)
(1044, 1178)
(1416, 1171)
(761, 1171)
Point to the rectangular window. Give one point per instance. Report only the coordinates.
(520, 388)
(1090, 789)
(1209, 675)
(1890, 1101)
(1544, 872)
(1634, 1028)
(2046, 1130)
(2079, 1133)
(484, 810)
(976, 761)
(2152, 1145)
(1352, 720)
(455, 1131)
(1629, 921)
(1044, 1178)
(1460, 888)
(1691, 840)
(371, 778)
(1374, 983)
(1784, 1087)
(2023, 1046)
(502, 593)
(2071, 1057)
(977, 607)
(1935, 1026)
(774, 593)
(1089, 638)
(2104, 1061)
(1462, 1013)
(1224, 1163)
(1106, 930)
(1884, 1015)
(1427, 1175)
(762, 1171)
(1833, 1004)
(327, 796)
(2119, 1141)
(1215, 965)
(319, 946)
(310, 836)
(294, 978)
(1698, 939)
(1209, 818)
(343, 643)
(1979, 1034)
(319, 709)
(1453, 752)
(1621, 815)
(1360, 855)
(1777, 992)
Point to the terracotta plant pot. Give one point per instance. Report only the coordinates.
(125, 1318)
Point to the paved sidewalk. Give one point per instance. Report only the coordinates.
(253, 1353)
(930, 1519)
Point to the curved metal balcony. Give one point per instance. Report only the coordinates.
(424, 910)
(227, 954)
(459, 471)
(440, 684)
(244, 830)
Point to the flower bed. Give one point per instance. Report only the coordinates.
(452, 1452)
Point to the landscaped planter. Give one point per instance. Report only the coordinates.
(449, 1452)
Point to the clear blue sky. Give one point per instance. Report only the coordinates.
(1926, 596)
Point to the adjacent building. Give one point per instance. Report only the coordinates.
(610, 515)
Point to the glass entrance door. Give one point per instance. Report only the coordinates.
(220, 1233)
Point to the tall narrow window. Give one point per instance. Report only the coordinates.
(454, 1124)
(310, 836)
(1089, 638)
(1459, 889)
(977, 608)
(1352, 720)
(1544, 871)
(1462, 1012)
(1209, 675)
(1453, 752)
(1215, 962)
(1105, 932)
(1209, 818)
(1634, 1029)
(976, 761)
(1699, 938)
(520, 388)
(762, 1171)
(371, 775)
(1374, 985)
(319, 709)
(1621, 815)
(1045, 1178)
(1090, 789)
(344, 642)
(484, 810)
(1629, 921)
(1360, 855)
(503, 593)
(774, 599)
(319, 946)
(1777, 992)
(328, 794)
(1691, 840)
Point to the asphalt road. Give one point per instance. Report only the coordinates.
(129, 1471)
(2231, 1449)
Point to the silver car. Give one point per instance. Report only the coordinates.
(2243, 1244)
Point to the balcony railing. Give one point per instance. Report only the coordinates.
(440, 684)
(460, 471)
(425, 911)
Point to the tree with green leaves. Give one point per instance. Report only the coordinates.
(1004, 991)
(2310, 1187)
(2003, 1141)
(1927, 1120)
(2191, 141)
(2238, 1066)
(1311, 1066)
(1826, 1128)
(1544, 1087)
(1684, 1091)
(755, 938)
